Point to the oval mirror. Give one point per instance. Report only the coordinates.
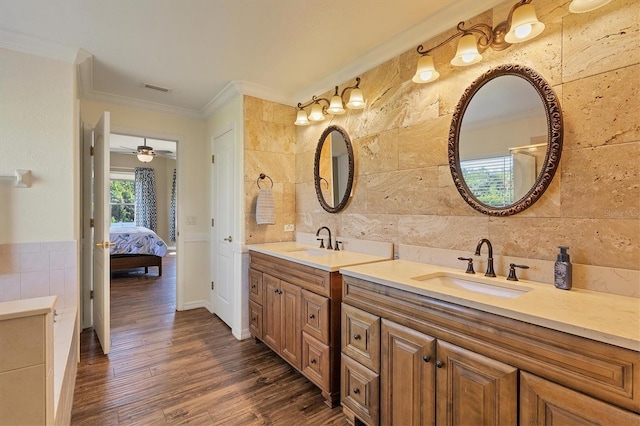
(505, 140)
(333, 169)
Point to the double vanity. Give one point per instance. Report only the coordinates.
(399, 342)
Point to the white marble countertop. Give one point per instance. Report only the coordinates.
(309, 255)
(27, 307)
(598, 316)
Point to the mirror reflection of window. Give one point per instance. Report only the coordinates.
(340, 163)
(326, 173)
(506, 112)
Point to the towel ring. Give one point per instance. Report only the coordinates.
(325, 181)
(262, 176)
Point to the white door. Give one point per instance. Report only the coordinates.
(222, 236)
(101, 218)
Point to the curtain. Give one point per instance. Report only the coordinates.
(172, 209)
(145, 198)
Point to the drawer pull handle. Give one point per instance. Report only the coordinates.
(439, 364)
(426, 358)
(311, 316)
(254, 319)
(356, 336)
(253, 286)
(313, 360)
(356, 391)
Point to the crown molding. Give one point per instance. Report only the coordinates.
(443, 20)
(236, 88)
(140, 104)
(38, 46)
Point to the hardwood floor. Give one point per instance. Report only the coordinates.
(168, 367)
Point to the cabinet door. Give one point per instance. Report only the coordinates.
(291, 330)
(546, 403)
(474, 389)
(407, 379)
(271, 312)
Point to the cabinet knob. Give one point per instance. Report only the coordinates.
(426, 358)
(275, 290)
(311, 316)
(356, 336)
(254, 319)
(313, 360)
(439, 364)
(253, 286)
(356, 391)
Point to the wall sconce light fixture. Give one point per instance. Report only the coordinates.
(521, 25)
(582, 6)
(335, 106)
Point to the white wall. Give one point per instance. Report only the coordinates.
(193, 186)
(38, 132)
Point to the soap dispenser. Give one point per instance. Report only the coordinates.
(562, 270)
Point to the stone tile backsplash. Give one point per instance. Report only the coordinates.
(30, 270)
(403, 190)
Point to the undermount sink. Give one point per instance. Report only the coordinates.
(477, 286)
(311, 251)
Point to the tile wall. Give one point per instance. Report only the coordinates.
(270, 148)
(39, 269)
(404, 192)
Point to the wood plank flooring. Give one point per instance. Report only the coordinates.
(168, 367)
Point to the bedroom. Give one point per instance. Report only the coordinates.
(157, 178)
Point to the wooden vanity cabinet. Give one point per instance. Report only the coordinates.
(442, 363)
(295, 310)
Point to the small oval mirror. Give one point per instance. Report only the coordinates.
(505, 140)
(333, 169)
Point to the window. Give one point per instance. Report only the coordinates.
(490, 179)
(123, 201)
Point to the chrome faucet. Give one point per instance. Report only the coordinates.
(329, 244)
(490, 272)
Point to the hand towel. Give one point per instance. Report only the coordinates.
(265, 208)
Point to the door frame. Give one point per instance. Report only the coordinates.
(86, 213)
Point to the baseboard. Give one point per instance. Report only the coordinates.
(244, 334)
(198, 304)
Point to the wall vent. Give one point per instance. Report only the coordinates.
(155, 87)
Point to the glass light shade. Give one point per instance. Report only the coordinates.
(582, 6)
(425, 71)
(301, 118)
(356, 99)
(145, 158)
(467, 53)
(335, 107)
(316, 113)
(524, 25)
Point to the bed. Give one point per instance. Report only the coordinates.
(136, 247)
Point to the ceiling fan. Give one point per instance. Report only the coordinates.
(145, 153)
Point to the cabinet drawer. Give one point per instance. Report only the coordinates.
(255, 286)
(360, 391)
(255, 319)
(315, 316)
(315, 361)
(361, 336)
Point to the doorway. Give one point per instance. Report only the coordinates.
(123, 159)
